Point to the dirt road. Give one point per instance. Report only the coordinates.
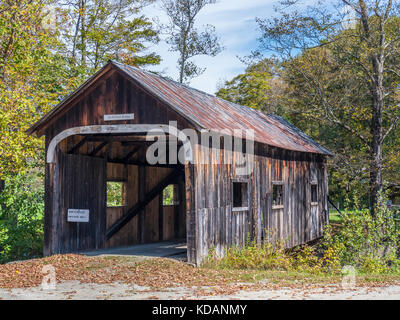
(75, 290)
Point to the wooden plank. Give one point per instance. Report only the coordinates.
(191, 240)
(131, 154)
(97, 149)
(76, 147)
(161, 235)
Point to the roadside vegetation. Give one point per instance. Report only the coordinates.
(21, 218)
(369, 244)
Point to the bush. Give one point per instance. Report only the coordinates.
(266, 256)
(368, 243)
(21, 218)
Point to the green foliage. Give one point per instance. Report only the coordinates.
(263, 257)
(342, 84)
(266, 256)
(252, 88)
(168, 195)
(261, 87)
(369, 243)
(26, 89)
(21, 217)
(94, 31)
(115, 194)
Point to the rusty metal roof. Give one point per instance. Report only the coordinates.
(206, 111)
(215, 114)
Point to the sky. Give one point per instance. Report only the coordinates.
(237, 29)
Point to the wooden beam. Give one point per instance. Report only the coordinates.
(160, 217)
(142, 187)
(144, 164)
(78, 145)
(177, 205)
(98, 149)
(116, 129)
(126, 138)
(137, 208)
(131, 154)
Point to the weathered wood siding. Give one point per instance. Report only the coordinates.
(78, 182)
(114, 94)
(219, 226)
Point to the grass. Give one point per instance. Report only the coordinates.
(335, 217)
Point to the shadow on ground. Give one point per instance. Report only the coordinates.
(166, 249)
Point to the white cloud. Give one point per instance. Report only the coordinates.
(235, 24)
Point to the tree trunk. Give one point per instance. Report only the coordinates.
(376, 170)
(377, 134)
(181, 70)
(83, 34)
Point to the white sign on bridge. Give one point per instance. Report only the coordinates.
(115, 117)
(78, 215)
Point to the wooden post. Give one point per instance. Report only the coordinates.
(142, 193)
(191, 239)
(160, 217)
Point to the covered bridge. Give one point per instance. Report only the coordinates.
(102, 190)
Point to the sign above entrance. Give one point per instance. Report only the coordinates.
(78, 215)
(115, 117)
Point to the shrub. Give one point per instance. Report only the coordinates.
(252, 256)
(369, 243)
(266, 256)
(21, 218)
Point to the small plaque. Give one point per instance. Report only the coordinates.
(78, 215)
(116, 117)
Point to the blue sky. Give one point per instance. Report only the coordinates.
(235, 24)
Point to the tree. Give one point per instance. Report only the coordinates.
(27, 85)
(185, 39)
(359, 41)
(21, 217)
(260, 87)
(94, 31)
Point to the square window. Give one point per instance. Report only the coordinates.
(170, 195)
(277, 195)
(240, 195)
(314, 193)
(115, 194)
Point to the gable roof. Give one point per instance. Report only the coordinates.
(205, 111)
